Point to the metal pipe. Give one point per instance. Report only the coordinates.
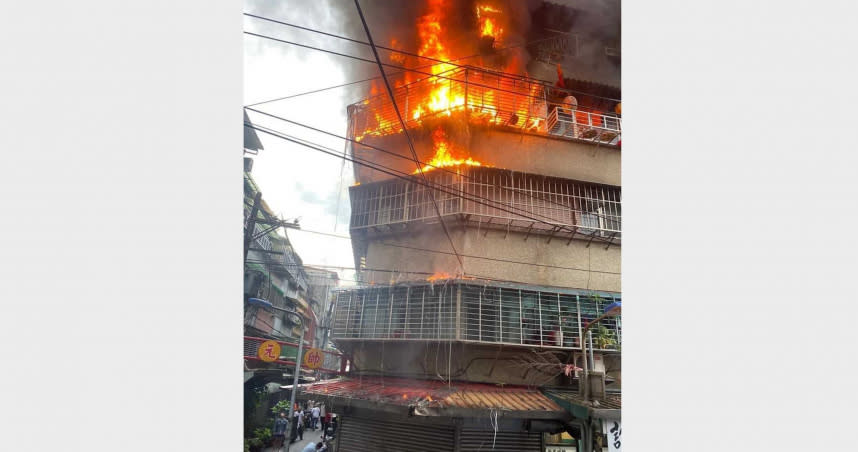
(590, 340)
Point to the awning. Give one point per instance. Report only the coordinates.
(571, 401)
(437, 398)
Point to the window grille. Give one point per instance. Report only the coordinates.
(488, 314)
(488, 195)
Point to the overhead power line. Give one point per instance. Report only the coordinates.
(408, 136)
(404, 52)
(312, 92)
(410, 178)
(443, 169)
(392, 73)
(438, 76)
(427, 250)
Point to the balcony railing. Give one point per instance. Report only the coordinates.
(467, 312)
(582, 124)
(493, 198)
(482, 97)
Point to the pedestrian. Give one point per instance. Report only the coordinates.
(299, 426)
(334, 424)
(280, 430)
(326, 422)
(315, 413)
(313, 447)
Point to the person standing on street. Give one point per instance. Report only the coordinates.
(326, 421)
(315, 413)
(298, 426)
(280, 430)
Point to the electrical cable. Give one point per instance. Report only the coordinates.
(437, 76)
(397, 73)
(311, 92)
(448, 253)
(410, 177)
(407, 135)
(438, 61)
(439, 168)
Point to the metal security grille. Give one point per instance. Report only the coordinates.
(493, 198)
(364, 435)
(412, 312)
(483, 313)
(481, 97)
(502, 441)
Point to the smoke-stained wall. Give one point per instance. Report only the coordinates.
(500, 149)
(594, 267)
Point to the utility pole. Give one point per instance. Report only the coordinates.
(251, 223)
(295, 385)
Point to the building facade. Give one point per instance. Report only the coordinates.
(481, 272)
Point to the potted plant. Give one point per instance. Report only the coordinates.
(604, 338)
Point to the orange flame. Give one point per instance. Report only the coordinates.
(438, 97)
(439, 275)
(404, 396)
(488, 24)
(428, 397)
(444, 154)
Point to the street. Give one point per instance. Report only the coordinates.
(309, 437)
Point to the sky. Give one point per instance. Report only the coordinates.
(296, 181)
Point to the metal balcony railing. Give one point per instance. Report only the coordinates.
(468, 312)
(493, 198)
(481, 97)
(582, 124)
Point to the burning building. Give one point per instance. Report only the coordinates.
(485, 258)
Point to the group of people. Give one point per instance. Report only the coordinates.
(310, 416)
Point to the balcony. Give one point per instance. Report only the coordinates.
(483, 97)
(491, 198)
(465, 311)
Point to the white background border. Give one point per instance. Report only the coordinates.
(121, 238)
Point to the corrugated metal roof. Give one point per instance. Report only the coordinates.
(611, 401)
(405, 392)
(608, 407)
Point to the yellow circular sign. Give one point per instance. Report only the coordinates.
(313, 359)
(269, 351)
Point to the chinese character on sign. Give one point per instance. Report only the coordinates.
(614, 431)
(268, 351)
(313, 358)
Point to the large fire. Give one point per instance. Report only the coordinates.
(444, 154)
(475, 96)
(488, 18)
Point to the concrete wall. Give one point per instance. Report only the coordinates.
(496, 244)
(502, 149)
(460, 361)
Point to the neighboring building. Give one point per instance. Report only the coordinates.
(320, 284)
(475, 356)
(276, 289)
